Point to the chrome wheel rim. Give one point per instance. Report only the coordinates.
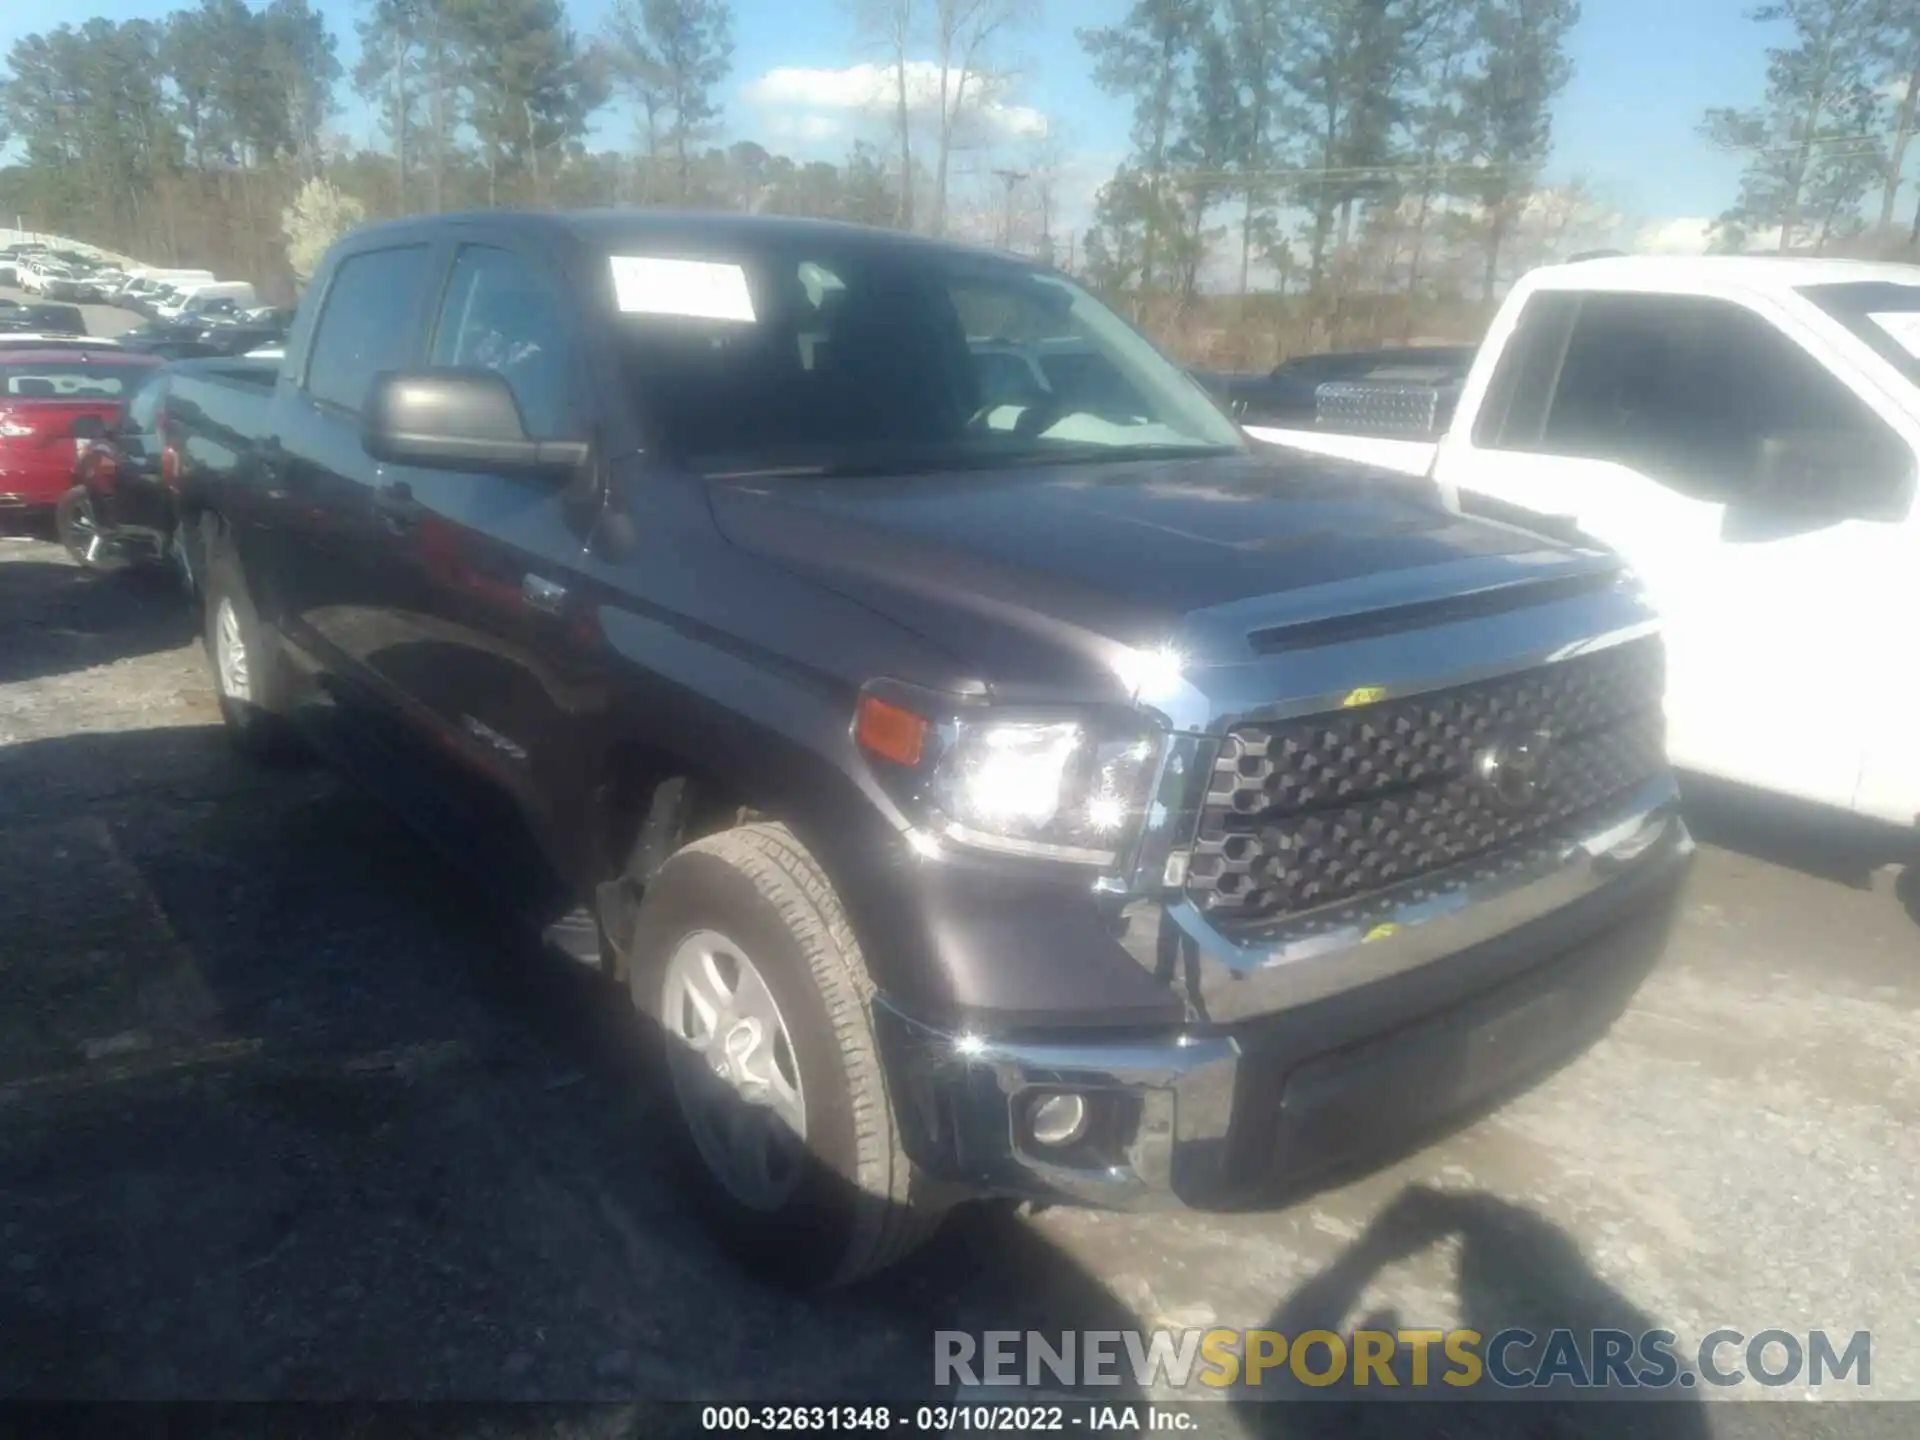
(230, 653)
(734, 1074)
(83, 531)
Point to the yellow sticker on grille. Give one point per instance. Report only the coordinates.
(1380, 932)
(1365, 695)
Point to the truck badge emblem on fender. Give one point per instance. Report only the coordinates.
(1513, 769)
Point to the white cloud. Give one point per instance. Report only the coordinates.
(1683, 235)
(795, 95)
(803, 128)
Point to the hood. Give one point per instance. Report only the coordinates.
(1034, 576)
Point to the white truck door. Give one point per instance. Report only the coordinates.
(1669, 427)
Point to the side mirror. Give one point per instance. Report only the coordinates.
(456, 419)
(1832, 474)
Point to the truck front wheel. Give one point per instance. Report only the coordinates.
(743, 958)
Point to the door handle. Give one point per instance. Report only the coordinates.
(542, 595)
(399, 511)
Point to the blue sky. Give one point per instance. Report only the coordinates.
(1644, 71)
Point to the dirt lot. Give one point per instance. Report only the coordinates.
(281, 1116)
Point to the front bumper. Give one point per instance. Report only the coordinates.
(1321, 1053)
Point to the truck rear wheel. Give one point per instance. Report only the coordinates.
(245, 655)
(744, 959)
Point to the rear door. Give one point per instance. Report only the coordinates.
(1641, 418)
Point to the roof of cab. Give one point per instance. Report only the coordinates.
(1717, 272)
(609, 231)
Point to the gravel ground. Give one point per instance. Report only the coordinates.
(280, 1115)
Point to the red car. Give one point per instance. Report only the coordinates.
(42, 392)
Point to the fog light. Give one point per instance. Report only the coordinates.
(1058, 1120)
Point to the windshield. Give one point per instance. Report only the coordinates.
(890, 358)
(1883, 314)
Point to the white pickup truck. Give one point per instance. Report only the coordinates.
(1746, 432)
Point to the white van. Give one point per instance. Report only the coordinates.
(148, 285)
(229, 296)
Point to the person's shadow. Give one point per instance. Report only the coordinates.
(1516, 1271)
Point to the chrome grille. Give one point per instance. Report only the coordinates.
(1309, 812)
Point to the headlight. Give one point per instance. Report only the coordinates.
(1069, 788)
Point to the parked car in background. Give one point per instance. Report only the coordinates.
(75, 285)
(273, 316)
(100, 287)
(41, 317)
(38, 273)
(143, 294)
(177, 348)
(35, 340)
(120, 511)
(225, 297)
(42, 393)
(1288, 395)
(242, 339)
(987, 772)
(1746, 433)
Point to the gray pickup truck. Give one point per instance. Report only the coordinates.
(982, 785)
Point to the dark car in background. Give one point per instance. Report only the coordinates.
(193, 340)
(41, 318)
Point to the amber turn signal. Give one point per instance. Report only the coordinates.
(889, 731)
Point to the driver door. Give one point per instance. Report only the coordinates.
(1647, 420)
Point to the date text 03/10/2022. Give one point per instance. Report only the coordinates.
(948, 1419)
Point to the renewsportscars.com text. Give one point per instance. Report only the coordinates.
(1458, 1360)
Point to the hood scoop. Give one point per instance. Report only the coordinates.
(1400, 619)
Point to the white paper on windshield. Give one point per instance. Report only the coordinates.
(1903, 326)
(694, 289)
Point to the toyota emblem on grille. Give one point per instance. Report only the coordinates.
(1514, 769)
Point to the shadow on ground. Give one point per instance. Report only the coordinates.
(283, 1115)
(1515, 1271)
(57, 617)
(1816, 840)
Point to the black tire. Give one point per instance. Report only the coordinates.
(255, 721)
(76, 524)
(858, 1206)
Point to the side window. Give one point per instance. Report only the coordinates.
(1691, 391)
(367, 324)
(500, 313)
(1513, 412)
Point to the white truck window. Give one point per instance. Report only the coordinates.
(1688, 390)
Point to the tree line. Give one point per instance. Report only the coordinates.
(1356, 167)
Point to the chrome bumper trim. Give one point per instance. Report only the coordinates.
(961, 1094)
(955, 1095)
(1236, 976)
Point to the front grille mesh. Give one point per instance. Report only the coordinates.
(1314, 811)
